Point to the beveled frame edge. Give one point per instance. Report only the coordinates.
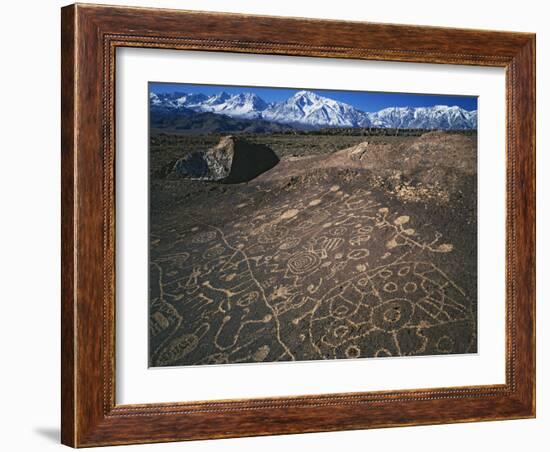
(90, 35)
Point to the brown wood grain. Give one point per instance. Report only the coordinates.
(90, 36)
(67, 225)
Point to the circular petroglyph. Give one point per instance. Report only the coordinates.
(248, 299)
(303, 262)
(353, 351)
(213, 252)
(390, 287)
(404, 271)
(289, 243)
(337, 231)
(204, 237)
(341, 311)
(365, 230)
(410, 287)
(358, 254)
(393, 314)
(445, 344)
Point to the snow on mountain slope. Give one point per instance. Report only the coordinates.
(244, 105)
(310, 109)
(436, 117)
(177, 100)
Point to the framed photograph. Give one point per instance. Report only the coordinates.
(281, 225)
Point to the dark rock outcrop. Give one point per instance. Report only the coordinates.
(232, 160)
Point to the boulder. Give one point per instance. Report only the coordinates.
(232, 160)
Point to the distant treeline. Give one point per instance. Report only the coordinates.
(272, 129)
(373, 131)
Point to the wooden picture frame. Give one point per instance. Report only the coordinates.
(90, 36)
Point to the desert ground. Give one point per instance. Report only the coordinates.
(350, 246)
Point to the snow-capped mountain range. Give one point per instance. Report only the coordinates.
(309, 109)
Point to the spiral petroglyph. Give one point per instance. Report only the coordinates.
(303, 262)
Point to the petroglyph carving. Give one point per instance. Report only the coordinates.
(303, 284)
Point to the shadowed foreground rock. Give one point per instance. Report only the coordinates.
(232, 160)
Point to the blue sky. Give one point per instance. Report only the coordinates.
(368, 101)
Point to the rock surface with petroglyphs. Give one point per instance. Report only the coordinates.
(318, 258)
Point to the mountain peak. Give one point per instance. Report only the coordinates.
(248, 96)
(218, 98)
(304, 94)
